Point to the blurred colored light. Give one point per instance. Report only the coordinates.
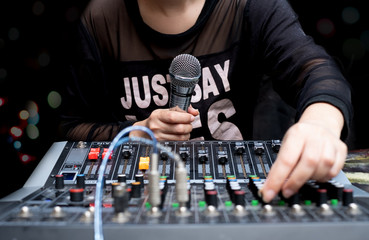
(54, 99)
(32, 108)
(25, 158)
(17, 145)
(38, 8)
(2, 101)
(353, 49)
(24, 114)
(13, 34)
(16, 131)
(32, 131)
(43, 59)
(34, 119)
(326, 27)
(350, 15)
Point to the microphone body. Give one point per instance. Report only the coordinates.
(185, 71)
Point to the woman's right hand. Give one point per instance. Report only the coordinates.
(172, 124)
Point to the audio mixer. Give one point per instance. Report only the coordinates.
(221, 196)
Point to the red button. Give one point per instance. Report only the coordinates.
(105, 151)
(94, 153)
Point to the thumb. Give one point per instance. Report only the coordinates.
(193, 111)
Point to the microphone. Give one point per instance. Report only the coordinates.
(184, 71)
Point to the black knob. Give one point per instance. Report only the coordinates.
(126, 154)
(348, 197)
(239, 198)
(211, 198)
(140, 178)
(259, 151)
(184, 156)
(136, 190)
(76, 194)
(120, 198)
(203, 159)
(276, 145)
(240, 150)
(122, 178)
(222, 160)
(294, 199)
(164, 156)
(322, 197)
(59, 181)
(80, 181)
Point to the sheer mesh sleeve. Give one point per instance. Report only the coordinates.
(85, 115)
(303, 72)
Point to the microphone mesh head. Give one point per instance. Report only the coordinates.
(185, 70)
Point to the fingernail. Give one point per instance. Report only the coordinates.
(268, 195)
(192, 118)
(288, 193)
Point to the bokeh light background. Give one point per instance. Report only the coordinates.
(32, 41)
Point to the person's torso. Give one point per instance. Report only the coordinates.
(136, 61)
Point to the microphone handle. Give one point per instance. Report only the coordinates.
(180, 96)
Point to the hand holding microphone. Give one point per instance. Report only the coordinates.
(174, 124)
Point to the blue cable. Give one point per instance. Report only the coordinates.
(98, 226)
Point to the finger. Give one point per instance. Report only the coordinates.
(161, 136)
(193, 111)
(287, 159)
(305, 168)
(177, 109)
(340, 160)
(325, 164)
(176, 117)
(168, 128)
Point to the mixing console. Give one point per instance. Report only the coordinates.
(223, 178)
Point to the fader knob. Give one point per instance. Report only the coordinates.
(203, 159)
(240, 150)
(276, 145)
(222, 160)
(164, 156)
(184, 156)
(258, 148)
(126, 154)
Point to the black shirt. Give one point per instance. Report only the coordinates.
(120, 67)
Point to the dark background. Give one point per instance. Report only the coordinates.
(32, 42)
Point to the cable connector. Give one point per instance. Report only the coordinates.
(154, 179)
(181, 188)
